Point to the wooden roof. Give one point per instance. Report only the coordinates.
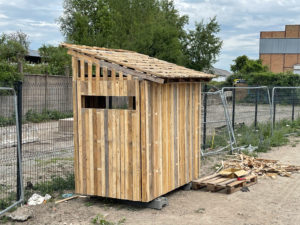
(148, 66)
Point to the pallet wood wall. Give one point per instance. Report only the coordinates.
(170, 136)
(136, 154)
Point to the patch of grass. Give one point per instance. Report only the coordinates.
(46, 115)
(100, 220)
(261, 136)
(7, 121)
(4, 219)
(9, 200)
(57, 184)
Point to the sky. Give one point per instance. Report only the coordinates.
(241, 21)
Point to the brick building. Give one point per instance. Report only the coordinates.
(280, 50)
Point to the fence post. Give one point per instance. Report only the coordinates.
(46, 92)
(18, 88)
(204, 116)
(293, 104)
(274, 108)
(233, 107)
(256, 106)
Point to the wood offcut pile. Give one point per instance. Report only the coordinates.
(241, 171)
(260, 167)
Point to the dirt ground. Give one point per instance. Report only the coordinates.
(270, 201)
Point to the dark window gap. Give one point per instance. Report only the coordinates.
(86, 65)
(101, 72)
(79, 68)
(114, 102)
(93, 71)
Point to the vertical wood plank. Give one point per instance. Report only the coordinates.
(186, 130)
(149, 134)
(130, 156)
(113, 187)
(95, 152)
(74, 68)
(104, 73)
(82, 69)
(199, 130)
(136, 136)
(144, 161)
(118, 154)
(177, 133)
(110, 154)
(159, 101)
(182, 136)
(103, 156)
(98, 84)
(171, 148)
(122, 154)
(75, 131)
(84, 152)
(80, 128)
(126, 158)
(165, 139)
(99, 149)
(192, 133)
(87, 149)
(154, 153)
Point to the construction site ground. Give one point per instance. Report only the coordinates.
(270, 201)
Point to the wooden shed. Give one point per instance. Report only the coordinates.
(137, 123)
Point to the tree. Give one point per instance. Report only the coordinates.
(202, 46)
(13, 48)
(244, 65)
(57, 59)
(152, 27)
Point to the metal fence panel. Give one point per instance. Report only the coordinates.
(47, 131)
(11, 190)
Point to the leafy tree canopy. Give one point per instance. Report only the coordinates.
(202, 46)
(56, 59)
(244, 65)
(14, 46)
(152, 27)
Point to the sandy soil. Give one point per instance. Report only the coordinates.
(268, 202)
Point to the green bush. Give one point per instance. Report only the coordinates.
(7, 121)
(266, 79)
(46, 115)
(8, 74)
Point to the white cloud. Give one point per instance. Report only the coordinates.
(2, 16)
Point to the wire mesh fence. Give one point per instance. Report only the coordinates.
(11, 192)
(248, 105)
(47, 149)
(285, 103)
(216, 136)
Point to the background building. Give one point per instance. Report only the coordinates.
(280, 50)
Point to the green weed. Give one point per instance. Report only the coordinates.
(57, 184)
(100, 220)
